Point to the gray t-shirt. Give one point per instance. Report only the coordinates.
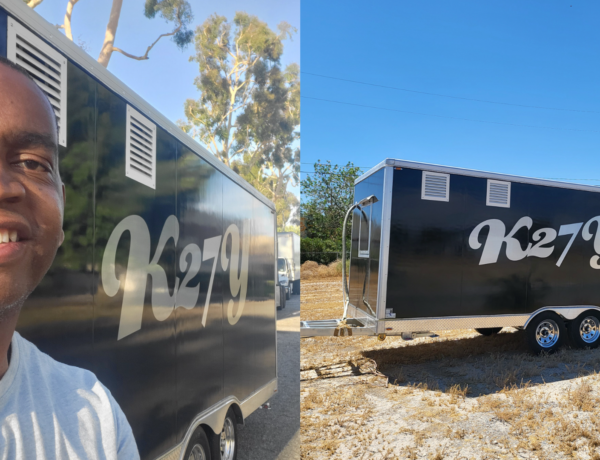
(49, 410)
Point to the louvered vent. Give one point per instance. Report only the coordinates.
(498, 193)
(140, 148)
(46, 66)
(435, 186)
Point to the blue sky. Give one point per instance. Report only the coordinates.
(534, 53)
(166, 80)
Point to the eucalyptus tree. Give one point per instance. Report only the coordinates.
(176, 12)
(248, 112)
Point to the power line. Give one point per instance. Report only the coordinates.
(445, 116)
(448, 96)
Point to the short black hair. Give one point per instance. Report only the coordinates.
(15, 66)
(23, 71)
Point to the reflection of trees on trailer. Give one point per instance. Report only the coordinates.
(165, 284)
(437, 248)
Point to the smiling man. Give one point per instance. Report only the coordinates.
(48, 410)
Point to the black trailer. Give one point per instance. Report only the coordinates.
(165, 284)
(438, 248)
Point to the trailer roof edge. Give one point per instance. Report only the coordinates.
(475, 173)
(19, 10)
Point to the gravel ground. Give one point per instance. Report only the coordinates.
(275, 433)
(457, 396)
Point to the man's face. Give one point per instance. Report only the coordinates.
(31, 192)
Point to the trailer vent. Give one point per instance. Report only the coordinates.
(46, 66)
(498, 193)
(436, 186)
(140, 149)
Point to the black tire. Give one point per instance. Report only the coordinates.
(283, 298)
(288, 295)
(487, 331)
(546, 332)
(584, 331)
(228, 449)
(297, 287)
(198, 447)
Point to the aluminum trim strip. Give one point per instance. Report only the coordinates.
(475, 173)
(568, 312)
(43, 29)
(397, 326)
(258, 398)
(384, 254)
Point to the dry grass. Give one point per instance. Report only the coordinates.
(311, 270)
(460, 395)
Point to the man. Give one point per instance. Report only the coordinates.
(48, 410)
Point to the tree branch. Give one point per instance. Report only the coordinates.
(111, 32)
(67, 23)
(34, 3)
(145, 56)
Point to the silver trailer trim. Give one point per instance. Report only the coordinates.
(43, 29)
(569, 312)
(214, 416)
(384, 245)
(394, 327)
(398, 326)
(474, 173)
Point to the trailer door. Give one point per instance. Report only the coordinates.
(365, 253)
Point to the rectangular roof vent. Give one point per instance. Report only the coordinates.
(140, 150)
(498, 193)
(45, 65)
(435, 186)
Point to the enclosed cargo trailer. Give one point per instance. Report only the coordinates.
(165, 284)
(288, 244)
(438, 248)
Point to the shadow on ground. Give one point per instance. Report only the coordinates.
(480, 365)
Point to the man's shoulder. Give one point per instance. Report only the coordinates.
(41, 366)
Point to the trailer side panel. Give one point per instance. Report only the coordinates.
(436, 268)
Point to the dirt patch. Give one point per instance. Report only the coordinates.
(456, 396)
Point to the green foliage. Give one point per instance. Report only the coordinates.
(327, 195)
(248, 113)
(291, 228)
(176, 11)
(319, 250)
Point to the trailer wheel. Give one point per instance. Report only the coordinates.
(546, 332)
(487, 331)
(198, 447)
(224, 445)
(584, 330)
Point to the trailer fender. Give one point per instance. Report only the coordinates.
(568, 312)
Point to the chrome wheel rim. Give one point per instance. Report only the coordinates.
(546, 334)
(589, 330)
(197, 453)
(228, 440)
